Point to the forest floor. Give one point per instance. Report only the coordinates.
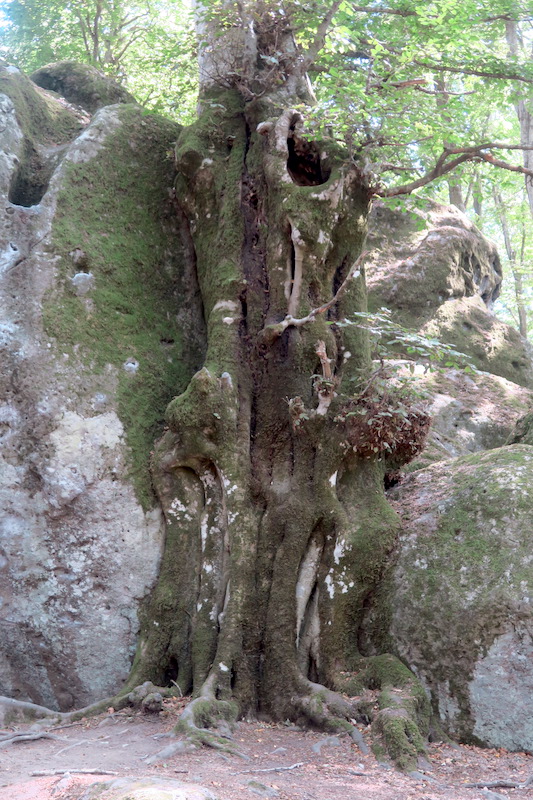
(278, 761)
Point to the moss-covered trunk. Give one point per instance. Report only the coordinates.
(277, 525)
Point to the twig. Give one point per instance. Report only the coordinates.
(69, 725)
(291, 322)
(29, 737)
(70, 746)
(270, 769)
(502, 784)
(47, 772)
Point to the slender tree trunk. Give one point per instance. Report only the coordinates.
(455, 188)
(515, 269)
(524, 110)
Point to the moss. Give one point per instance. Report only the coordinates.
(466, 554)
(397, 737)
(207, 712)
(41, 118)
(81, 84)
(112, 208)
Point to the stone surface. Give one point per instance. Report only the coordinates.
(147, 789)
(81, 84)
(421, 257)
(523, 430)
(470, 412)
(461, 592)
(81, 533)
(439, 276)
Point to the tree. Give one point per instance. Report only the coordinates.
(271, 471)
(276, 451)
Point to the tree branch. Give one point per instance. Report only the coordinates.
(442, 167)
(274, 331)
(459, 70)
(320, 38)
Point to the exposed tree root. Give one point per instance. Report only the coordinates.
(401, 725)
(28, 737)
(208, 721)
(26, 711)
(329, 711)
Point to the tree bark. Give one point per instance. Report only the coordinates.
(515, 269)
(271, 473)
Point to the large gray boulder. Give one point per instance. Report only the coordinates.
(457, 606)
(440, 276)
(92, 308)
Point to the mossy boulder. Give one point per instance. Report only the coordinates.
(492, 345)
(470, 412)
(99, 328)
(457, 606)
(421, 257)
(439, 276)
(81, 84)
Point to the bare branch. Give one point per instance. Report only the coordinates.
(277, 329)
(130, 20)
(320, 38)
(443, 167)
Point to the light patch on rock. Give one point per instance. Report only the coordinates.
(131, 365)
(11, 139)
(330, 585)
(82, 282)
(91, 140)
(501, 692)
(225, 305)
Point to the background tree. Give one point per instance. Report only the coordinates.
(145, 45)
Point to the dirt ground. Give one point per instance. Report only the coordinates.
(276, 761)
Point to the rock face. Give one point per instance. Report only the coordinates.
(91, 317)
(456, 605)
(81, 84)
(461, 592)
(470, 413)
(440, 276)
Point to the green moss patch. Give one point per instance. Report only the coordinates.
(110, 222)
(41, 118)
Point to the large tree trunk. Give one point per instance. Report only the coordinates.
(270, 476)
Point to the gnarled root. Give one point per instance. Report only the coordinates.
(23, 711)
(329, 711)
(208, 721)
(401, 725)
